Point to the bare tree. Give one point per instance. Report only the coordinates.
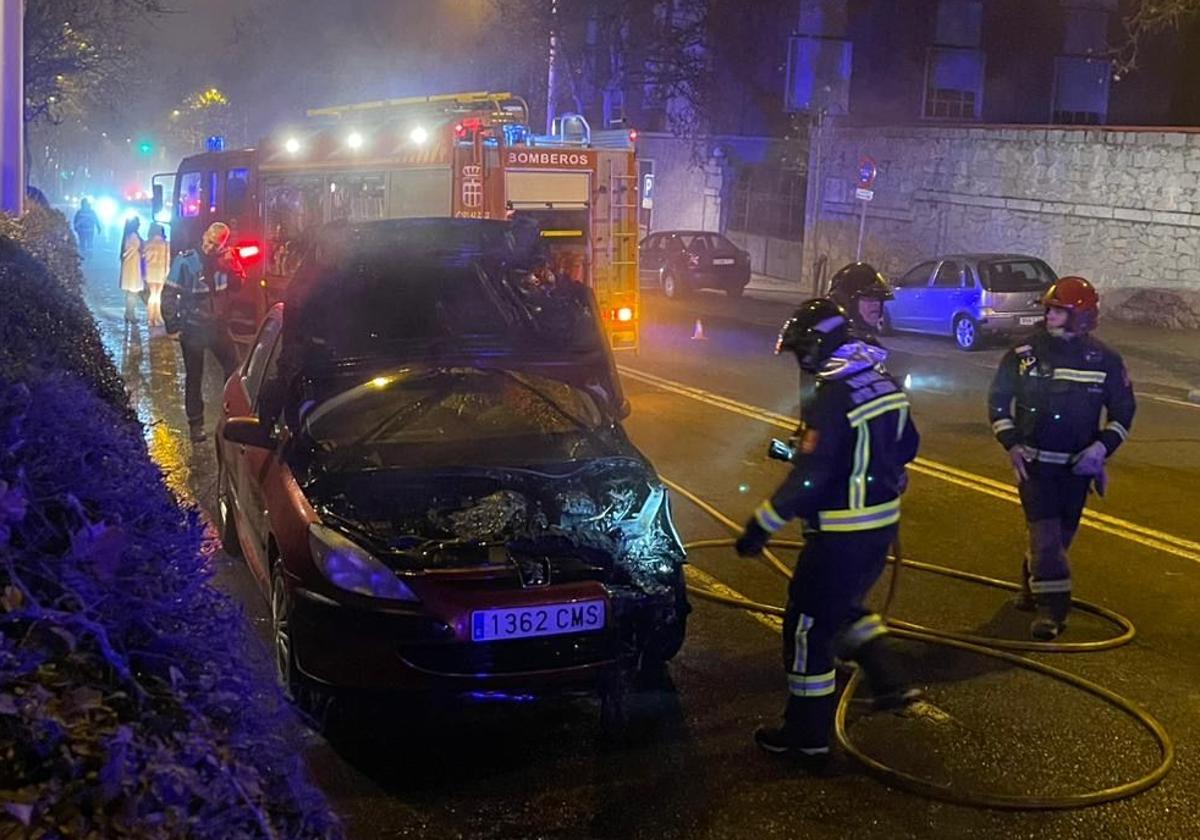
(74, 49)
(1146, 18)
(654, 53)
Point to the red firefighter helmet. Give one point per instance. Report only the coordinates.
(1079, 298)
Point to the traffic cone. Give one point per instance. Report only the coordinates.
(698, 332)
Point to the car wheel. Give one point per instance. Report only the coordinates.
(671, 287)
(614, 705)
(735, 291)
(664, 642)
(226, 522)
(966, 333)
(319, 703)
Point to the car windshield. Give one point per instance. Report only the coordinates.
(379, 305)
(1015, 275)
(456, 417)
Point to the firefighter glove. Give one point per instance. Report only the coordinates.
(1019, 458)
(753, 540)
(1100, 482)
(1091, 460)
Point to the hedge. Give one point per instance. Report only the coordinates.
(133, 698)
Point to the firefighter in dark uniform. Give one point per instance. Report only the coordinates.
(1045, 408)
(846, 481)
(861, 290)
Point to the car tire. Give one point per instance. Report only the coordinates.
(321, 705)
(966, 333)
(735, 291)
(661, 646)
(671, 286)
(226, 521)
(614, 706)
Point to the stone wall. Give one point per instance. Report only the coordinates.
(1119, 206)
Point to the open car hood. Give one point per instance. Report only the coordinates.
(611, 513)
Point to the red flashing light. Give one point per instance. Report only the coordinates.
(633, 135)
(624, 314)
(248, 251)
(460, 130)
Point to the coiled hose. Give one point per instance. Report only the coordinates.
(1001, 649)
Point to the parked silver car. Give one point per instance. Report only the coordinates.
(970, 297)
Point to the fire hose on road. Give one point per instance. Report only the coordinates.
(1001, 649)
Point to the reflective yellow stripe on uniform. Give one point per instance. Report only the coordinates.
(876, 407)
(1090, 377)
(862, 631)
(804, 623)
(768, 518)
(858, 419)
(812, 685)
(1050, 587)
(860, 519)
(1048, 457)
(1114, 426)
(858, 471)
(1003, 425)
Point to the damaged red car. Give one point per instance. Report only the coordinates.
(423, 464)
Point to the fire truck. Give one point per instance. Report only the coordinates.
(464, 155)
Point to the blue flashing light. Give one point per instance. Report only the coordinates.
(215, 143)
(515, 134)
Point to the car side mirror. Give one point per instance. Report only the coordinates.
(248, 431)
(157, 202)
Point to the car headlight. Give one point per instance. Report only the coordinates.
(349, 567)
(648, 533)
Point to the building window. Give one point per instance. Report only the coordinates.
(818, 75)
(614, 107)
(768, 201)
(959, 23)
(1080, 90)
(950, 104)
(953, 83)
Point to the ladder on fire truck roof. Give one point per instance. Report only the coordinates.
(450, 103)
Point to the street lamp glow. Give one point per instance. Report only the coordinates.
(355, 140)
(419, 135)
(291, 145)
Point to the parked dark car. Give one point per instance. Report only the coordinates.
(680, 261)
(423, 464)
(970, 297)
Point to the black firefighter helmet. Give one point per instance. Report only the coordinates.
(817, 328)
(859, 281)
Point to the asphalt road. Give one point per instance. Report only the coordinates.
(703, 412)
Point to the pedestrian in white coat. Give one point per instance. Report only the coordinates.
(133, 280)
(157, 259)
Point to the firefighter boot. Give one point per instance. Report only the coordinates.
(804, 735)
(1051, 621)
(890, 688)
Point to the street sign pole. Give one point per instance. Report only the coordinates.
(867, 171)
(12, 106)
(862, 226)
